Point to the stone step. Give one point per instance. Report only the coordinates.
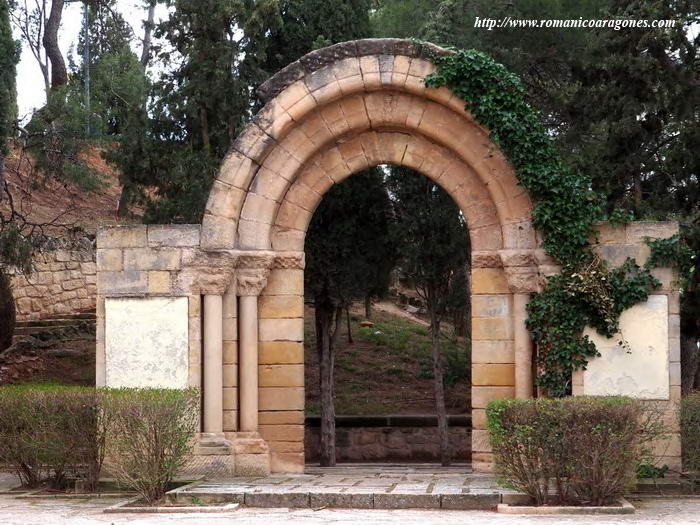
(353, 500)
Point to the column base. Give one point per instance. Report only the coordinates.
(212, 457)
(251, 455)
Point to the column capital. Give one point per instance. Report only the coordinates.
(251, 281)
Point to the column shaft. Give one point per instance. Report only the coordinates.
(213, 364)
(248, 366)
(523, 348)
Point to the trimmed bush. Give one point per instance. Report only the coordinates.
(150, 437)
(52, 433)
(571, 451)
(690, 432)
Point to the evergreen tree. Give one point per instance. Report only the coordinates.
(349, 253)
(9, 56)
(434, 248)
(312, 24)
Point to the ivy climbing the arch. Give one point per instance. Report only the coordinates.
(586, 292)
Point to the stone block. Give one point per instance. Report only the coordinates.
(492, 352)
(482, 395)
(282, 432)
(480, 441)
(281, 352)
(470, 501)
(173, 235)
(285, 282)
(493, 375)
(159, 283)
(230, 352)
(489, 281)
(217, 232)
(281, 417)
(406, 501)
(230, 373)
(122, 283)
(479, 418)
(230, 398)
(280, 306)
(492, 328)
(281, 398)
(230, 420)
(491, 305)
(135, 236)
(639, 230)
(610, 234)
(341, 500)
(617, 254)
(151, 259)
(281, 329)
(110, 259)
(252, 465)
(281, 375)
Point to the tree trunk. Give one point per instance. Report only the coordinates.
(8, 315)
(347, 316)
(324, 320)
(148, 29)
(59, 74)
(439, 388)
(368, 307)
(690, 364)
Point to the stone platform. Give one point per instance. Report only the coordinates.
(358, 486)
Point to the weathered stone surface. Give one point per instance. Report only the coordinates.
(151, 259)
(489, 281)
(492, 352)
(482, 395)
(146, 342)
(281, 329)
(281, 398)
(122, 283)
(173, 235)
(643, 372)
(280, 306)
(122, 236)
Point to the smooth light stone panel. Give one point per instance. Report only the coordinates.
(644, 372)
(146, 342)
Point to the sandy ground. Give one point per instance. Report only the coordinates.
(78, 512)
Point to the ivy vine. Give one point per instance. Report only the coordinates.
(586, 292)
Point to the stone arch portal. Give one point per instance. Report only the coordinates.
(239, 277)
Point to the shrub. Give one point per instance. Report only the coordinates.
(150, 436)
(52, 433)
(577, 450)
(690, 432)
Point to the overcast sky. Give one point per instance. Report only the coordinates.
(30, 83)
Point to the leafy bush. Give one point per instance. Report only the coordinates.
(690, 432)
(52, 433)
(150, 436)
(577, 450)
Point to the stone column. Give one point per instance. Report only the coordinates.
(248, 366)
(521, 268)
(523, 347)
(252, 454)
(213, 364)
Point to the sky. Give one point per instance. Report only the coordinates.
(30, 83)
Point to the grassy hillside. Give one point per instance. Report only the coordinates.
(388, 368)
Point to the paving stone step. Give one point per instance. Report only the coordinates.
(355, 500)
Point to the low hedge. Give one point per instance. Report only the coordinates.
(50, 434)
(690, 432)
(570, 451)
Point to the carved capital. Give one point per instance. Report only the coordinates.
(205, 273)
(289, 261)
(523, 279)
(251, 281)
